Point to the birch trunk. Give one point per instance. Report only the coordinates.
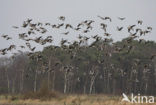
(92, 82)
(49, 66)
(65, 82)
(35, 82)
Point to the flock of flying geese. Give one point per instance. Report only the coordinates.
(83, 27)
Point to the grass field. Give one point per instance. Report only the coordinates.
(69, 100)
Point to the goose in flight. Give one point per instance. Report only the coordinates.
(119, 28)
(62, 18)
(15, 27)
(140, 22)
(105, 18)
(66, 33)
(120, 18)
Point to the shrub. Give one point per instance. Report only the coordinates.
(43, 93)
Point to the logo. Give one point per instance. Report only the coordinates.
(138, 98)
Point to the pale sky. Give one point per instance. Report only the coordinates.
(14, 12)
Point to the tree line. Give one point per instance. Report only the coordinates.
(83, 69)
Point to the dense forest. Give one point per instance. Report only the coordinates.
(83, 69)
(80, 67)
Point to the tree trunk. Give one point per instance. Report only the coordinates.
(22, 81)
(13, 86)
(53, 83)
(114, 86)
(65, 82)
(92, 82)
(49, 66)
(48, 80)
(35, 81)
(91, 85)
(8, 81)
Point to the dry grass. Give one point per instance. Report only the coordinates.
(70, 100)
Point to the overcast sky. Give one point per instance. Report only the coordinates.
(13, 12)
